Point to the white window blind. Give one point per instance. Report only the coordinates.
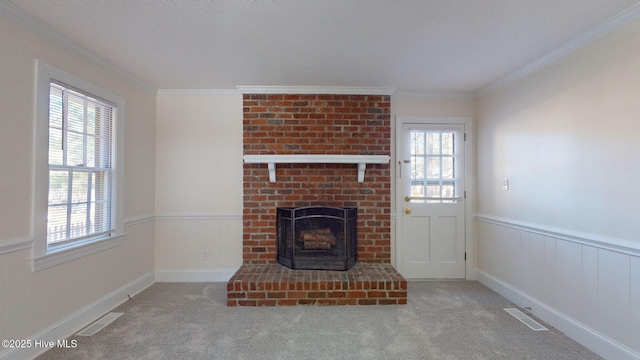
(80, 154)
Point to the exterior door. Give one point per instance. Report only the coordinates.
(432, 197)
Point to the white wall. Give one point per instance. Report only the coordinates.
(566, 137)
(199, 179)
(564, 239)
(55, 301)
(199, 186)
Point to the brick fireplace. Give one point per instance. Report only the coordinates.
(328, 125)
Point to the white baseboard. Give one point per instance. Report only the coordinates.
(591, 339)
(195, 275)
(81, 318)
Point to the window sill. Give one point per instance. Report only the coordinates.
(61, 256)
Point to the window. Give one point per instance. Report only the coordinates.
(80, 166)
(77, 205)
(433, 166)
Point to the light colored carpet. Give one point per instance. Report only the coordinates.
(442, 320)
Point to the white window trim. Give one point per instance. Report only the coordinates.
(42, 256)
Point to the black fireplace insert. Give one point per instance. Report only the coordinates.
(317, 237)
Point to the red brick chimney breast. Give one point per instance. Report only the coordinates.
(316, 124)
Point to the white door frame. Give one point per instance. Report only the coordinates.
(470, 184)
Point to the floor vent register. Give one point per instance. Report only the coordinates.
(99, 324)
(532, 324)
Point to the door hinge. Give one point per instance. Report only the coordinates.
(465, 136)
(465, 194)
(465, 256)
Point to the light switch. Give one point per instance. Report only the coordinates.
(505, 184)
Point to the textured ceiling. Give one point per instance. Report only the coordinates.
(435, 46)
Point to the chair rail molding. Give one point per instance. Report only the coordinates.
(598, 241)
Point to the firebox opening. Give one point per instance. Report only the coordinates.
(317, 237)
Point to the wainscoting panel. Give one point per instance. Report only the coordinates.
(197, 247)
(635, 300)
(613, 295)
(589, 289)
(586, 286)
(536, 244)
(569, 268)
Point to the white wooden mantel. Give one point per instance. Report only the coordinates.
(272, 160)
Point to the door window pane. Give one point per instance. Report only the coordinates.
(433, 162)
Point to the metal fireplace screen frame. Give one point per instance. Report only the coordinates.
(317, 237)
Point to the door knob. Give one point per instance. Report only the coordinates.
(407, 211)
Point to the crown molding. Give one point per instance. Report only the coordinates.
(426, 95)
(401, 94)
(567, 48)
(219, 92)
(333, 90)
(50, 33)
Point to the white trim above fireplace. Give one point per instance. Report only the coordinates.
(273, 159)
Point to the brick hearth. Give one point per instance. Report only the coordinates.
(316, 124)
(271, 285)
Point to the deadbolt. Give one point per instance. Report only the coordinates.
(407, 198)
